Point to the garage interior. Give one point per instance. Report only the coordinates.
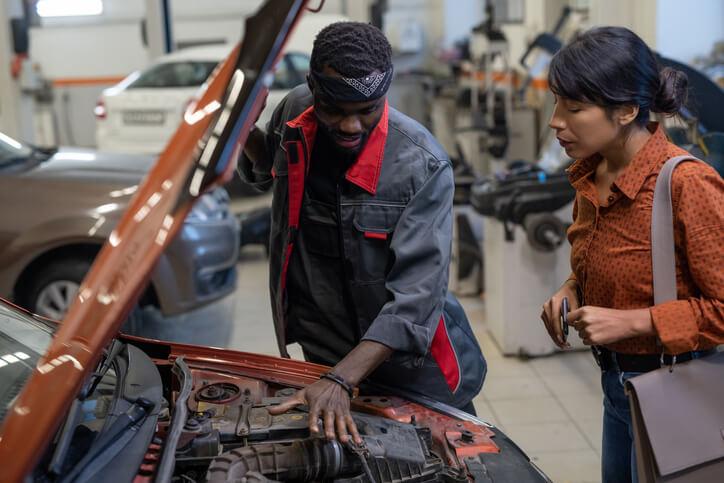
(99, 87)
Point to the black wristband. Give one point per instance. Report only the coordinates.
(337, 379)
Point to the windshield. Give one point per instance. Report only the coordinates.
(23, 340)
(174, 74)
(12, 151)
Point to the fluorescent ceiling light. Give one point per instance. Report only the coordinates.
(68, 8)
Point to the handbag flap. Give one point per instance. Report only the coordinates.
(683, 412)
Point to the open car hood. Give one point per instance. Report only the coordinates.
(200, 156)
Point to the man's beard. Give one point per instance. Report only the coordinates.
(349, 155)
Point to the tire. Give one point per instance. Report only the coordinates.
(52, 288)
(63, 275)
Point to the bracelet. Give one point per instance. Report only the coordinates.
(331, 376)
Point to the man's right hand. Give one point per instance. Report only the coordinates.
(329, 401)
(552, 311)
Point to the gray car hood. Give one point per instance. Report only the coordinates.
(79, 163)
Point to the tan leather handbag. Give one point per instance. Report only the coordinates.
(677, 411)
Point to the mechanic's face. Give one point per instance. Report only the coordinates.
(583, 129)
(348, 124)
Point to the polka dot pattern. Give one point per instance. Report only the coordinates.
(611, 247)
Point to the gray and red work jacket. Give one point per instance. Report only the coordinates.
(396, 230)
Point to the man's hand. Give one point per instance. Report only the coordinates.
(552, 310)
(600, 326)
(328, 400)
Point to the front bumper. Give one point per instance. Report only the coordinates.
(112, 140)
(198, 267)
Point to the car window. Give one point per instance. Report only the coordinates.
(12, 150)
(300, 63)
(23, 340)
(291, 71)
(174, 74)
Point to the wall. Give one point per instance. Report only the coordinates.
(685, 30)
(675, 28)
(423, 16)
(460, 18)
(15, 118)
(639, 16)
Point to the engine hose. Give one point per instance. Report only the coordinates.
(307, 460)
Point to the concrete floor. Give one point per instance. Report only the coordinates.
(551, 406)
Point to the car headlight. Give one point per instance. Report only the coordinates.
(212, 206)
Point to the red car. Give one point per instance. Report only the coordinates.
(81, 403)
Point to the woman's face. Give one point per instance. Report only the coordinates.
(583, 129)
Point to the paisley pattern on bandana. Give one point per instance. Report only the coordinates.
(366, 85)
(346, 89)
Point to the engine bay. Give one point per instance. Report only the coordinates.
(229, 436)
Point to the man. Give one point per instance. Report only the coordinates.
(361, 237)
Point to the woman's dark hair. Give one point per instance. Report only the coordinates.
(353, 49)
(612, 67)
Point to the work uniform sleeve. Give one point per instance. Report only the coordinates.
(688, 324)
(259, 174)
(421, 244)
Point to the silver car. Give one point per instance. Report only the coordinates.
(56, 209)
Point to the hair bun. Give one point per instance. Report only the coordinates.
(673, 91)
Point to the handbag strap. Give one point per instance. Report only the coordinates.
(662, 233)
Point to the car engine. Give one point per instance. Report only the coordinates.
(230, 436)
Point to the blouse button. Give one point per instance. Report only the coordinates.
(611, 199)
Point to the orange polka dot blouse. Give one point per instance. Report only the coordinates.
(611, 247)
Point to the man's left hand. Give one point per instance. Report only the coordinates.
(328, 400)
(601, 326)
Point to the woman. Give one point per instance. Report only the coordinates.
(606, 82)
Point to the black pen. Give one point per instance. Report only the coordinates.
(565, 308)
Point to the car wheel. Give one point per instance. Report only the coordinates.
(52, 289)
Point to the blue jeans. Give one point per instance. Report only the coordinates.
(618, 459)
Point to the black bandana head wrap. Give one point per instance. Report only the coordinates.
(347, 89)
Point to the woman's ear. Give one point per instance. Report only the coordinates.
(627, 114)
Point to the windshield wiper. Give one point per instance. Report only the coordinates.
(67, 432)
(115, 437)
(113, 350)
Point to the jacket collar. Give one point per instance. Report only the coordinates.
(365, 171)
(630, 181)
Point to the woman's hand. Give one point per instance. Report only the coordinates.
(328, 400)
(600, 326)
(552, 311)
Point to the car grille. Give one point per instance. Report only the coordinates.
(144, 117)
